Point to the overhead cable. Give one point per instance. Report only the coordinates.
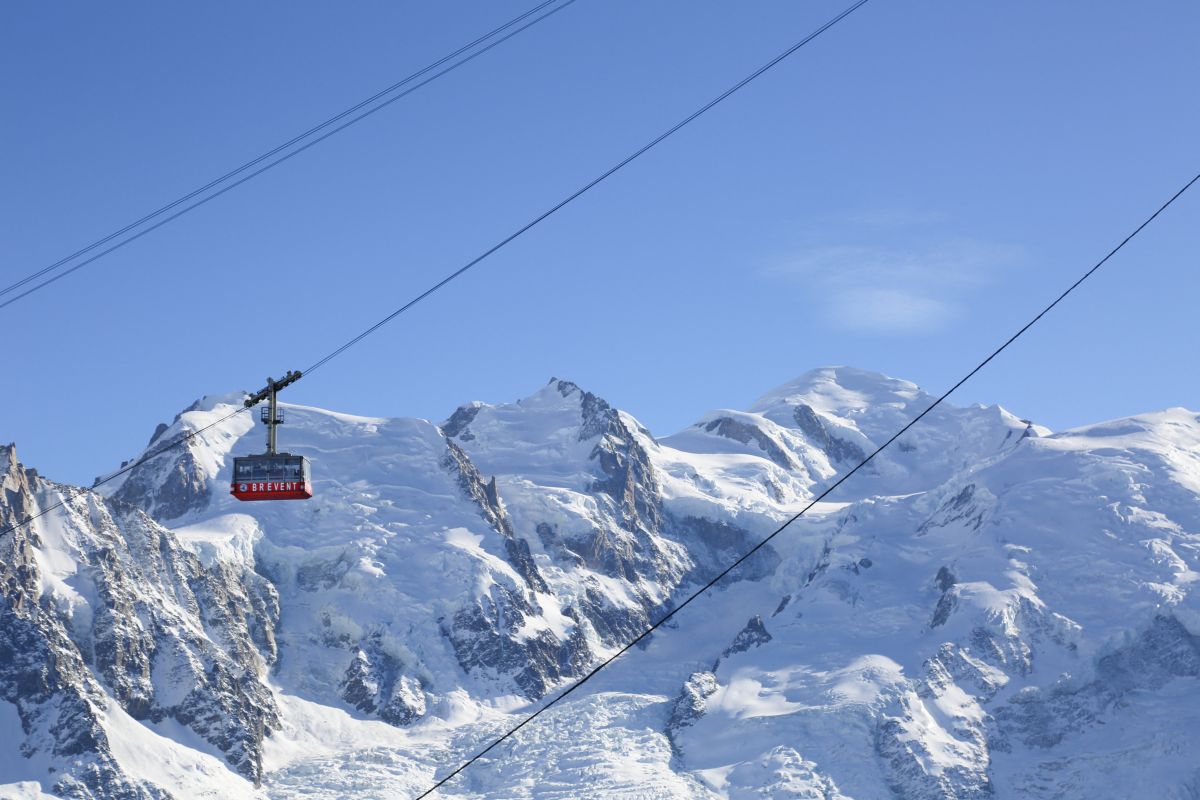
(380, 99)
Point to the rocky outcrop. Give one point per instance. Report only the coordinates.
(739, 431)
(753, 635)
(713, 545)
(167, 485)
(965, 508)
(141, 620)
(629, 478)
(838, 449)
(487, 498)
(42, 671)
(376, 682)
(457, 424)
(488, 640)
(689, 705)
(946, 764)
(1042, 718)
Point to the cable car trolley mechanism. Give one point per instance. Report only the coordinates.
(272, 475)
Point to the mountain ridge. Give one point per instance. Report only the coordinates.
(446, 576)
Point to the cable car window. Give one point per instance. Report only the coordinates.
(271, 477)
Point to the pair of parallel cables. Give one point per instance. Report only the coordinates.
(283, 152)
(577, 684)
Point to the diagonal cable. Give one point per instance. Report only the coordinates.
(721, 575)
(590, 185)
(79, 490)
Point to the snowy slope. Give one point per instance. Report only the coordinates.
(1003, 633)
(991, 610)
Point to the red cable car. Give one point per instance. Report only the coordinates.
(272, 475)
(279, 476)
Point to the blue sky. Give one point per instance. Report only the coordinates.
(898, 196)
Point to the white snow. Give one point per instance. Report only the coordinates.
(1060, 549)
(182, 770)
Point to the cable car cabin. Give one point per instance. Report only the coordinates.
(276, 476)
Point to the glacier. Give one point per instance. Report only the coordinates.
(988, 609)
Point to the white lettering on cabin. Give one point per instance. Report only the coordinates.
(271, 486)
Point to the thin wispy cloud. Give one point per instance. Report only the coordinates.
(869, 310)
(902, 287)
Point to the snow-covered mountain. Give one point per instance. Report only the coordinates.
(989, 610)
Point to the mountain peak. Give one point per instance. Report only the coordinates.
(839, 389)
(564, 387)
(556, 391)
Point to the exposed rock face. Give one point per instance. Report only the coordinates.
(626, 535)
(486, 636)
(135, 618)
(376, 683)
(629, 477)
(491, 509)
(458, 422)
(176, 475)
(624, 538)
(1043, 718)
(715, 544)
(753, 635)
(689, 705)
(907, 750)
(741, 432)
(963, 508)
(42, 672)
(838, 450)
(185, 488)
